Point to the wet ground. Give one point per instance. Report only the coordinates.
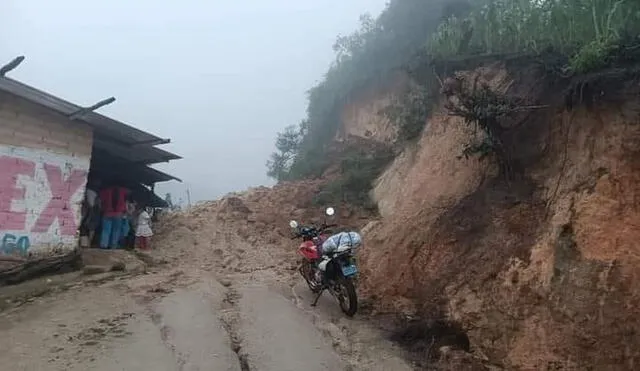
(214, 306)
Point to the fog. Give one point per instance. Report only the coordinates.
(219, 78)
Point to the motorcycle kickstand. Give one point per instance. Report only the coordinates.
(315, 302)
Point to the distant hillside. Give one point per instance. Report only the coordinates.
(413, 36)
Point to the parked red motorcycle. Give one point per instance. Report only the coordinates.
(328, 262)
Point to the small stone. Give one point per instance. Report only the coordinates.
(95, 269)
(118, 267)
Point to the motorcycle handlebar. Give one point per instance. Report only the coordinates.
(319, 229)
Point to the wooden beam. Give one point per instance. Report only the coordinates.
(82, 111)
(153, 142)
(156, 160)
(11, 65)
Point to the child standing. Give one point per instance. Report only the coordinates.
(143, 230)
(128, 224)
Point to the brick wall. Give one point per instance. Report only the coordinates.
(44, 162)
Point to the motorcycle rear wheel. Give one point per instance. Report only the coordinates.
(346, 295)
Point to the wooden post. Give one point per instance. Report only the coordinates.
(11, 65)
(82, 111)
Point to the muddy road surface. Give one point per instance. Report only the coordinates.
(209, 302)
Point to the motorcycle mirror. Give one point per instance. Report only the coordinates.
(293, 224)
(330, 211)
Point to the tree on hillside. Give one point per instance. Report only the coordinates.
(377, 47)
(167, 199)
(287, 143)
(347, 46)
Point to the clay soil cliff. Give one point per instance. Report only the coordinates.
(539, 266)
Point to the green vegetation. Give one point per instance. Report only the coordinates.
(587, 33)
(482, 108)
(590, 34)
(358, 170)
(410, 112)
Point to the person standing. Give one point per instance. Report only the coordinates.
(90, 214)
(114, 205)
(143, 230)
(127, 223)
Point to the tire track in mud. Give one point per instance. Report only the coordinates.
(229, 311)
(146, 296)
(220, 300)
(243, 267)
(230, 318)
(166, 335)
(358, 341)
(340, 341)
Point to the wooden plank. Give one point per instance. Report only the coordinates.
(34, 268)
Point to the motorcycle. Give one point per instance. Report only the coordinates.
(328, 262)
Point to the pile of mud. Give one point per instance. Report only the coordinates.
(261, 215)
(248, 231)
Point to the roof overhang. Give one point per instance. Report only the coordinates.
(135, 148)
(104, 165)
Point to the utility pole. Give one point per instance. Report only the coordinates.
(188, 197)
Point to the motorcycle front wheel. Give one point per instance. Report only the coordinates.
(345, 292)
(307, 272)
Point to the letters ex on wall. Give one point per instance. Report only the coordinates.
(40, 197)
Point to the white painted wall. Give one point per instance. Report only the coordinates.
(40, 199)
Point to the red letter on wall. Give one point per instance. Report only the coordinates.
(60, 204)
(10, 168)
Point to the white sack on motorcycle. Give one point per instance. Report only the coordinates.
(342, 241)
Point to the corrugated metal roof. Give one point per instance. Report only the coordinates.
(109, 127)
(134, 146)
(105, 165)
(138, 154)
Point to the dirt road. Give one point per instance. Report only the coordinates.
(216, 305)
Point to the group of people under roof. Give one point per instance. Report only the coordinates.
(114, 217)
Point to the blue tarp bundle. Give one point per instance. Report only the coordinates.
(341, 241)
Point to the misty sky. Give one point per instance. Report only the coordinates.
(219, 78)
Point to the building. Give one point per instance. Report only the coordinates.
(48, 149)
